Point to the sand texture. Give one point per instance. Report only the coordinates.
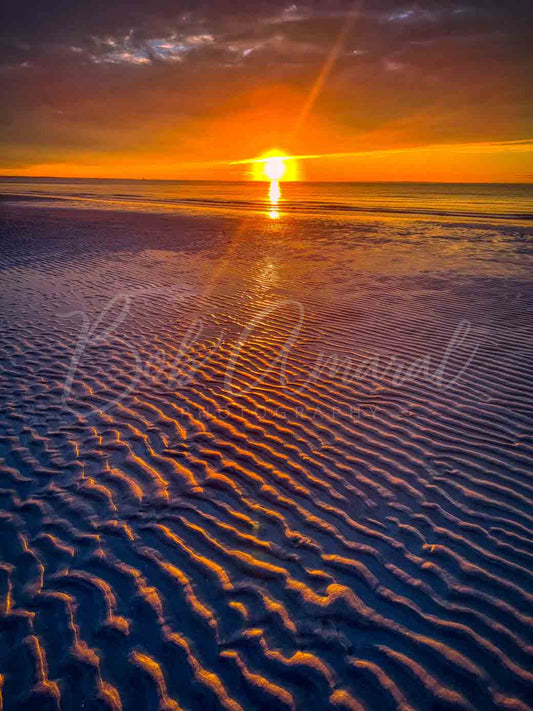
(264, 464)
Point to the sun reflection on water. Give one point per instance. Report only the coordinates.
(274, 194)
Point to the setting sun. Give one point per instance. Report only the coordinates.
(274, 168)
(274, 164)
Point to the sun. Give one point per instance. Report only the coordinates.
(274, 168)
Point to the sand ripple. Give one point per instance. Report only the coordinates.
(361, 539)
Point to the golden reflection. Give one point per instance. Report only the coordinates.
(266, 273)
(274, 194)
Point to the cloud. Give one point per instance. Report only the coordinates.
(132, 50)
(420, 14)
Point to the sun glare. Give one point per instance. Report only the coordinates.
(274, 165)
(274, 168)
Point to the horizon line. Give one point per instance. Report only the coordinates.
(286, 182)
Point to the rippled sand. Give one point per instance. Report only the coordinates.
(262, 464)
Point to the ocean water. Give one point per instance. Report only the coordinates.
(483, 201)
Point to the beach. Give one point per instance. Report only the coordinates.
(260, 457)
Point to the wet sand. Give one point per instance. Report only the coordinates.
(257, 464)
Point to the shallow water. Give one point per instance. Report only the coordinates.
(340, 200)
(255, 463)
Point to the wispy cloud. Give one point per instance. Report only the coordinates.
(129, 50)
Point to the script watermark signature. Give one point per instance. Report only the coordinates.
(195, 351)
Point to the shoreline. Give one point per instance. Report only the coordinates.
(189, 209)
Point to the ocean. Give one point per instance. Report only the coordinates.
(337, 200)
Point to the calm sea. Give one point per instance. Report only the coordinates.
(492, 201)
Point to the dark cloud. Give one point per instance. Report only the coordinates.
(26, 25)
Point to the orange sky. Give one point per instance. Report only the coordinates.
(396, 93)
(445, 163)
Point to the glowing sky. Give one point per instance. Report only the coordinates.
(388, 90)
